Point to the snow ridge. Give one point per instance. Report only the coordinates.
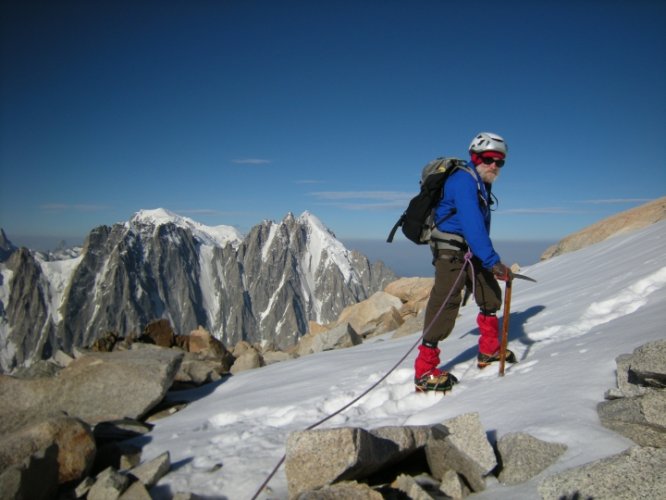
(207, 235)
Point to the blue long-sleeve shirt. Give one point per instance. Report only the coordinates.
(466, 195)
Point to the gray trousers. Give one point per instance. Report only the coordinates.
(488, 294)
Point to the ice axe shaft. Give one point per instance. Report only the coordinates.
(505, 327)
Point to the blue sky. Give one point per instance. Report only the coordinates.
(231, 112)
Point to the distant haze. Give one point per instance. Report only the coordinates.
(408, 259)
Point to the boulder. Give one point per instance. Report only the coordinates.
(71, 438)
(388, 322)
(347, 490)
(35, 478)
(340, 337)
(241, 347)
(160, 332)
(202, 342)
(524, 456)
(365, 315)
(411, 487)
(647, 365)
(635, 473)
(460, 444)
(198, 370)
(152, 471)
(109, 485)
(136, 491)
(248, 360)
(105, 343)
(453, 486)
(407, 438)
(625, 386)
(271, 357)
(96, 387)
(412, 324)
(413, 292)
(320, 457)
(315, 328)
(410, 289)
(641, 418)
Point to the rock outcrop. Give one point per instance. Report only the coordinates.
(630, 220)
(453, 458)
(636, 409)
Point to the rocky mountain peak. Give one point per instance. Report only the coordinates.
(264, 287)
(148, 221)
(6, 246)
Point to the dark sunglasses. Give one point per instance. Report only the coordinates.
(488, 161)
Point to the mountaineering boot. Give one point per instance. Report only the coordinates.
(484, 360)
(437, 380)
(427, 377)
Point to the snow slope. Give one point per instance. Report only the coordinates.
(587, 308)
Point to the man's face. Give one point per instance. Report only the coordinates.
(489, 169)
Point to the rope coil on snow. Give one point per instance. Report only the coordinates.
(467, 261)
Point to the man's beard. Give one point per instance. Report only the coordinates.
(486, 174)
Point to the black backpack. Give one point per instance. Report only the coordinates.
(417, 222)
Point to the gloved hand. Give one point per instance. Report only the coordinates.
(502, 272)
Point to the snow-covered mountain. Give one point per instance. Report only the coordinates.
(588, 307)
(263, 287)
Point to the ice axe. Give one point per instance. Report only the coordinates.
(505, 326)
(505, 318)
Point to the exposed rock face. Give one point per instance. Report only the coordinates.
(630, 220)
(27, 328)
(637, 408)
(524, 456)
(263, 288)
(121, 384)
(75, 445)
(635, 473)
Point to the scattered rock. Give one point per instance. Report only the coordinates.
(348, 490)
(364, 316)
(410, 487)
(72, 439)
(340, 337)
(105, 343)
(524, 456)
(461, 445)
(641, 418)
(248, 360)
(637, 407)
(109, 484)
(136, 491)
(635, 473)
(271, 357)
(36, 478)
(151, 472)
(320, 457)
(160, 332)
(647, 365)
(97, 387)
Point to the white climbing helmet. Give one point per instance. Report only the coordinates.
(487, 141)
